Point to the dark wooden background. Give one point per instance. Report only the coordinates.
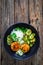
(13, 11)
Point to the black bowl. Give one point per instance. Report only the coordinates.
(33, 49)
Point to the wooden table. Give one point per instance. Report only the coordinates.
(14, 11)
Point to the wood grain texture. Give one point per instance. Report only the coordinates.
(0, 29)
(21, 9)
(7, 20)
(36, 18)
(14, 11)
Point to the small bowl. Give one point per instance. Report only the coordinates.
(33, 49)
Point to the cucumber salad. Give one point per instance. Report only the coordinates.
(21, 40)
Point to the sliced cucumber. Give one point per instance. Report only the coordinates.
(9, 40)
(31, 45)
(28, 32)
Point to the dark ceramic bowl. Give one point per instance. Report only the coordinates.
(33, 49)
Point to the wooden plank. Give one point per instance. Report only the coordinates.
(0, 28)
(35, 17)
(7, 20)
(41, 36)
(21, 9)
(32, 12)
(10, 6)
(0, 17)
(0, 44)
(39, 16)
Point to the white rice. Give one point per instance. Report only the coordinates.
(18, 33)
